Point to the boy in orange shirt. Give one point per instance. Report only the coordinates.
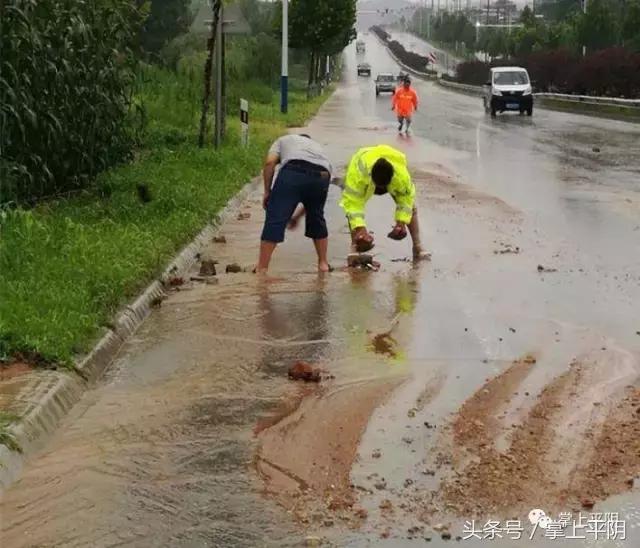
(404, 102)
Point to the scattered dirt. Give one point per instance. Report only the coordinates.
(440, 189)
(288, 406)
(243, 216)
(476, 419)
(219, 239)
(156, 302)
(385, 344)
(233, 268)
(386, 506)
(362, 261)
(542, 268)
(615, 459)
(302, 371)
(208, 267)
(305, 459)
(176, 281)
(507, 249)
(577, 443)
(12, 370)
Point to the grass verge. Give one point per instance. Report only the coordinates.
(68, 265)
(624, 113)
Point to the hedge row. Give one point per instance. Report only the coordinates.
(409, 58)
(613, 72)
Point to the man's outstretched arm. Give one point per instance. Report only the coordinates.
(268, 171)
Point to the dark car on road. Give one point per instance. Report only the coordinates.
(385, 83)
(364, 69)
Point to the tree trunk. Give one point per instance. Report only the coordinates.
(319, 68)
(211, 42)
(311, 71)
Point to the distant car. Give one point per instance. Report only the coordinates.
(360, 47)
(385, 83)
(508, 88)
(364, 69)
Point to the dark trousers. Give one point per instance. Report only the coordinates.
(297, 183)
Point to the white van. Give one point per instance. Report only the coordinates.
(508, 88)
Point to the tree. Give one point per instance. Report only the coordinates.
(631, 25)
(497, 44)
(527, 17)
(597, 28)
(166, 20)
(322, 27)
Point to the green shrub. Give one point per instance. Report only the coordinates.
(66, 70)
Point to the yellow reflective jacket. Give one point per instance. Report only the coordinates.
(358, 186)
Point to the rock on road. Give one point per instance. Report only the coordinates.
(473, 386)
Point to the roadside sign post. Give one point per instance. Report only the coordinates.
(244, 122)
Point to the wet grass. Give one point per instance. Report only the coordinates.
(67, 265)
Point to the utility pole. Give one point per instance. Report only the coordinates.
(584, 10)
(430, 16)
(219, 84)
(488, 7)
(284, 79)
(216, 8)
(223, 90)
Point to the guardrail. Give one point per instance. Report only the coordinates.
(616, 107)
(465, 88)
(586, 103)
(587, 99)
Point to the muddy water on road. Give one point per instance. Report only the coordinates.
(477, 385)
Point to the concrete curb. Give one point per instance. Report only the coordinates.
(57, 397)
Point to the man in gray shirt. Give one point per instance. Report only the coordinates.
(295, 172)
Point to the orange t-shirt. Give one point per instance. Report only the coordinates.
(405, 101)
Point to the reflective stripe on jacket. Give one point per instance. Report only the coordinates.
(358, 186)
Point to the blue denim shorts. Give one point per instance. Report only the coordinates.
(307, 185)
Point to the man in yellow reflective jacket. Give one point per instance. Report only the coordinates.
(380, 170)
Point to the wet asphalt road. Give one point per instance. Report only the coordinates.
(163, 451)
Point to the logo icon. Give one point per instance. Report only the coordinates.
(536, 515)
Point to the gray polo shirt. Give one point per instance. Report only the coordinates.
(296, 147)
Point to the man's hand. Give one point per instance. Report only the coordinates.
(363, 239)
(399, 232)
(265, 199)
(295, 219)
